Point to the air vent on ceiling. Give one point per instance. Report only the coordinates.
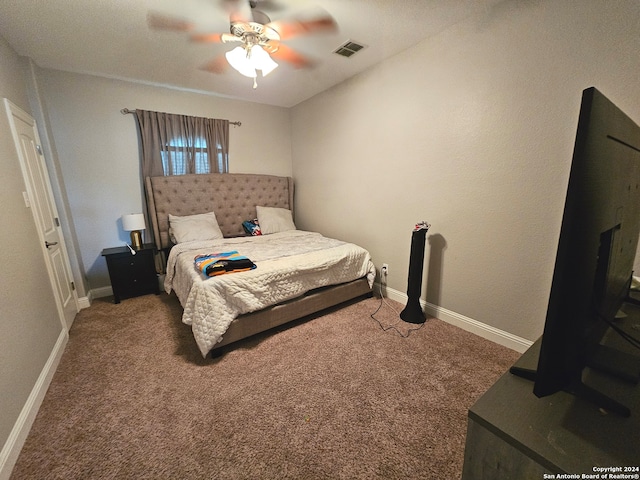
(348, 48)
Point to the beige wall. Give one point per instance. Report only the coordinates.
(29, 323)
(472, 131)
(98, 149)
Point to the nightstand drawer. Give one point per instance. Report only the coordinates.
(131, 275)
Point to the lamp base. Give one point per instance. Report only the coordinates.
(136, 239)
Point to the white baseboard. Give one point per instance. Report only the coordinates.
(84, 302)
(101, 292)
(11, 450)
(483, 330)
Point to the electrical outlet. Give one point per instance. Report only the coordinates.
(385, 269)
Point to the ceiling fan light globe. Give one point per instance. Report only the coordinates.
(239, 60)
(262, 61)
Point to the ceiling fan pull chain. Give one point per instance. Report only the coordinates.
(255, 82)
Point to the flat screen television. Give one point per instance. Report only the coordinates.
(595, 256)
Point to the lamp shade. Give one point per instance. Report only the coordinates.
(262, 60)
(239, 60)
(248, 60)
(133, 221)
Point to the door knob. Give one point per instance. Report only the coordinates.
(47, 244)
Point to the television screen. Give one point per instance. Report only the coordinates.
(595, 255)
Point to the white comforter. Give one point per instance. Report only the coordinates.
(289, 264)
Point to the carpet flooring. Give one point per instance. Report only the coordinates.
(332, 397)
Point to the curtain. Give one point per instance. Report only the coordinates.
(180, 144)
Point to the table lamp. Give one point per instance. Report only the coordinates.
(134, 222)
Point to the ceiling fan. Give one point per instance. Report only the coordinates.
(259, 39)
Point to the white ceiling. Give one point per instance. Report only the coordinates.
(111, 38)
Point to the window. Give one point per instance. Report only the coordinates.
(178, 156)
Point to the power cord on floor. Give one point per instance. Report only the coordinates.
(383, 301)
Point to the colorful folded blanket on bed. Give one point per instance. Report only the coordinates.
(213, 264)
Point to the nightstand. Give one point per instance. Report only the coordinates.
(132, 275)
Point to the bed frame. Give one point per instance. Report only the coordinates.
(233, 197)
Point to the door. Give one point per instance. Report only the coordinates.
(39, 198)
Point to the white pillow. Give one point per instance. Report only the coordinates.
(203, 226)
(274, 220)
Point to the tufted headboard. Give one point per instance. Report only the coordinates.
(232, 196)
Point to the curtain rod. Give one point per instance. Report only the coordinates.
(124, 111)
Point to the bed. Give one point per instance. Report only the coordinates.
(297, 273)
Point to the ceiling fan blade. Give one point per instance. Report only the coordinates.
(280, 51)
(304, 26)
(217, 65)
(159, 21)
(214, 38)
(270, 5)
(238, 10)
